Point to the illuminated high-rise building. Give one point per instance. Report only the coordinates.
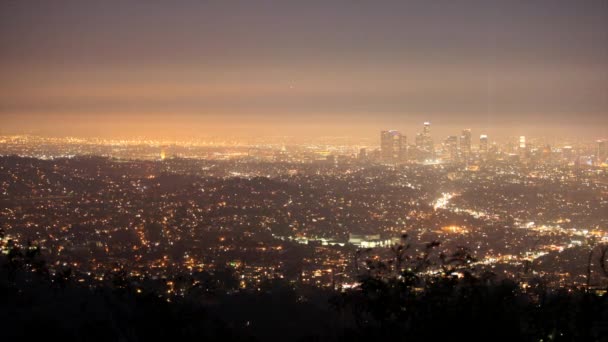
(567, 153)
(451, 146)
(392, 146)
(483, 144)
(522, 147)
(426, 131)
(465, 143)
(426, 137)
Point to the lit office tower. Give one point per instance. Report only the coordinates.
(392, 146)
(602, 150)
(451, 145)
(522, 147)
(483, 144)
(567, 152)
(465, 143)
(426, 131)
(426, 136)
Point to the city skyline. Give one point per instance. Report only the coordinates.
(277, 170)
(188, 131)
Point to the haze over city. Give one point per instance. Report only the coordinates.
(354, 171)
(200, 68)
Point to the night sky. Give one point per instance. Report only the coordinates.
(173, 68)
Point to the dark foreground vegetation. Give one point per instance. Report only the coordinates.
(393, 302)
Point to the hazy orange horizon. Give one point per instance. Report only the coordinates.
(275, 68)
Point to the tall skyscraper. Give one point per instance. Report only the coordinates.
(426, 131)
(451, 145)
(392, 146)
(522, 147)
(522, 142)
(427, 140)
(465, 143)
(567, 153)
(483, 144)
